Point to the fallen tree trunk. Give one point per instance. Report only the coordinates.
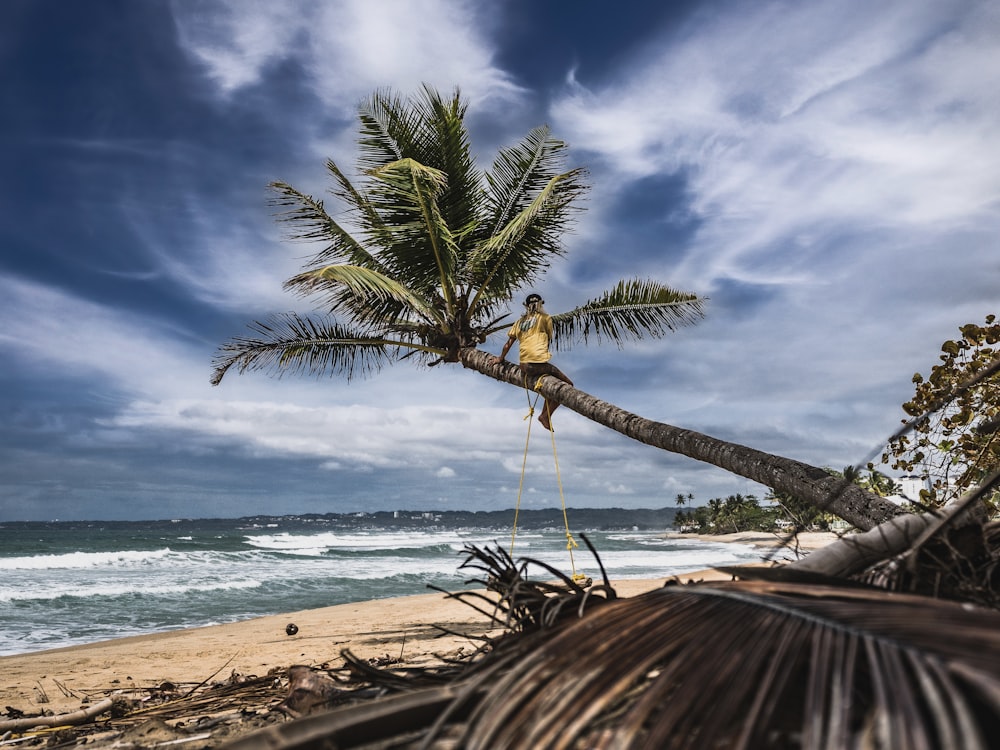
(853, 553)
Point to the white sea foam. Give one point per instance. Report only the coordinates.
(318, 543)
(49, 600)
(74, 560)
(122, 588)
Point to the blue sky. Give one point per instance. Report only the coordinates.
(827, 173)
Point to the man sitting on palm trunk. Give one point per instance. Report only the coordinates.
(533, 333)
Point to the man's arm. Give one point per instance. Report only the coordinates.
(506, 347)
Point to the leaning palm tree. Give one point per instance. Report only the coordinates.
(429, 252)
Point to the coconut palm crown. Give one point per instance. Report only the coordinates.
(429, 250)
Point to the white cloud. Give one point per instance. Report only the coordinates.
(237, 40)
(41, 326)
(421, 436)
(851, 114)
(347, 47)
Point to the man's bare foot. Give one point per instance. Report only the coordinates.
(543, 420)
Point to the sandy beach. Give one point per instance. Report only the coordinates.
(402, 628)
(61, 680)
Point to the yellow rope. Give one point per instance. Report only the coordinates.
(570, 541)
(524, 463)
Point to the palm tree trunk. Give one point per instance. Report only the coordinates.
(858, 507)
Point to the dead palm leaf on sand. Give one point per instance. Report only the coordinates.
(742, 664)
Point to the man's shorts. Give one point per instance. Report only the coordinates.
(534, 370)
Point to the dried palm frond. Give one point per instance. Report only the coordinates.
(754, 664)
(745, 664)
(523, 605)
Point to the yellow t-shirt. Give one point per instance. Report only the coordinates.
(533, 334)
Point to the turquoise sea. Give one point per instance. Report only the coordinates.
(69, 583)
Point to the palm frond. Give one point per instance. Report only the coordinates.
(525, 245)
(632, 310)
(389, 129)
(367, 290)
(423, 247)
(370, 223)
(520, 172)
(429, 129)
(748, 664)
(297, 345)
(311, 222)
(445, 146)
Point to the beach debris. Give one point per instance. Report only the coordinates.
(384, 661)
(788, 664)
(40, 695)
(57, 720)
(66, 691)
(291, 628)
(309, 690)
(150, 733)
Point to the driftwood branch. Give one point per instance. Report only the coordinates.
(59, 720)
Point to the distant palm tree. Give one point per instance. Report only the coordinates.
(429, 252)
(881, 484)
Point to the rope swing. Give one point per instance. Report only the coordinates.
(570, 541)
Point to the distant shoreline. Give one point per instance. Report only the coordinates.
(805, 540)
(605, 519)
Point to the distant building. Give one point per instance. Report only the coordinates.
(909, 489)
(910, 486)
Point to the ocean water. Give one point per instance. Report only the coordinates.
(68, 583)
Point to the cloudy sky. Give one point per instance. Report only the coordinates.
(827, 173)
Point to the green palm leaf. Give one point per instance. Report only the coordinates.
(423, 248)
(293, 344)
(389, 130)
(520, 250)
(632, 310)
(528, 209)
(520, 172)
(430, 130)
(366, 290)
(311, 222)
(370, 223)
(445, 146)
